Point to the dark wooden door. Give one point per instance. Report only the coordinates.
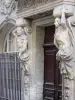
(52, 77)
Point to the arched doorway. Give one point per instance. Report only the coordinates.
(10, 71)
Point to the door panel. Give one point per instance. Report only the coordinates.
(52, 77)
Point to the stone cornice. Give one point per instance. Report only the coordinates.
(37, 10)
(41, 8)
(7, 21)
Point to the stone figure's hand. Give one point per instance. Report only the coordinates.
(58, 56)
(63, 11)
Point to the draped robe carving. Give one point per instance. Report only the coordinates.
(64, 42)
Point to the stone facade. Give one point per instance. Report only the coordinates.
(27, 20)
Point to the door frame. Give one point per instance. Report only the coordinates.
(42, 23)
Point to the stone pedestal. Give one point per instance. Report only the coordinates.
(68, 88)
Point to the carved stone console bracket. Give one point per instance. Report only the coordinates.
(21, 33)
(8, 10)
(7, 6)
(64, 40)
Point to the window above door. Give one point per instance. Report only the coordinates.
(10, 43)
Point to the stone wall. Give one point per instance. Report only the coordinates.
(37, 69)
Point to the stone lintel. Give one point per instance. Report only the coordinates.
(42, 8)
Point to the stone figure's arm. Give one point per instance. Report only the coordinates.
(14, 32)
(56, 44)
(63, 19)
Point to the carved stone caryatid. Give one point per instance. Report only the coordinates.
(21, 33)
(7, 6)
(64, 40)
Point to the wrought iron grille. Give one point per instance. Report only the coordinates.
(10, 77)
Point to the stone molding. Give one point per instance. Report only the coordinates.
(31, 3)
(42, 8)
(27, 4)
(7, 21)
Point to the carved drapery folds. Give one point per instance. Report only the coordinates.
(21, 33)
(64, 40)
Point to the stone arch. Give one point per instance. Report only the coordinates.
(5, 28)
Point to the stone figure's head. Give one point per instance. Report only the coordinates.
(20, 31)
(22, 43)
(7, 3)
(57, 22)
(69, 10)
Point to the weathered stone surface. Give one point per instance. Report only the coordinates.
(29, 3)
(64, 40)
(21, 33)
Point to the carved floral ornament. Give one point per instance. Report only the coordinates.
(30, 3)
(7, 6)
(64, 40)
